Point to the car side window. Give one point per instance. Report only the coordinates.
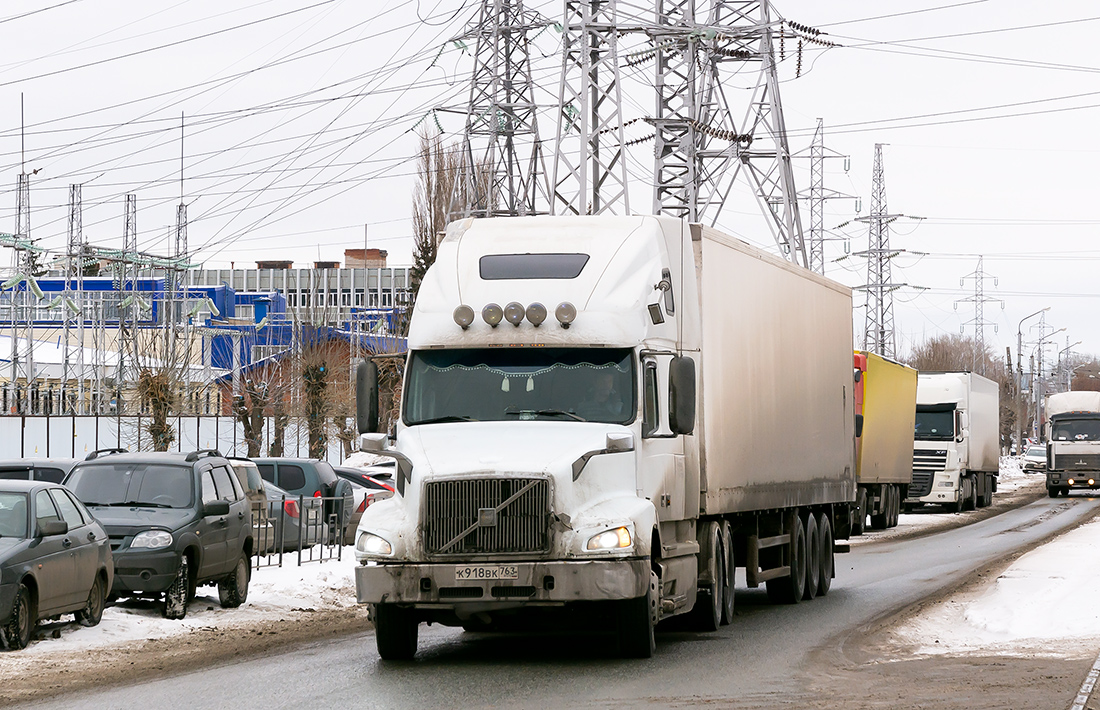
(69, 512)
(226, 490)
(15, 474)
(267, 472)
(44, 509)
(209, 492)
(84, 513)
(49, 473)
(291, 478)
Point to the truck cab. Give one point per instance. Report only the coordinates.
(1073, 442)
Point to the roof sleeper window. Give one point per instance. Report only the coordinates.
(495, 267)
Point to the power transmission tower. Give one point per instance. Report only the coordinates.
(589, 174)
(126, 269)
(503, 172)
(72, 307)
(878, 333)
(22, 320)
(817, 195)
(979, 299)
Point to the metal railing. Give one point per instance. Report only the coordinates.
(298, 530)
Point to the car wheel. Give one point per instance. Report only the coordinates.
(175, 599)
(93, 608)
(22, 621)
(233, 590)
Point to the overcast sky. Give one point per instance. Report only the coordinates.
(299, 123)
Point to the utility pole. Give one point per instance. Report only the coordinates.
(503, 172)
(977, 356)
(589, 175)
(878, 333)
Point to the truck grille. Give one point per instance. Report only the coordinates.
(929, 461)
(921, 485)
(1077, 462)
(486, 516)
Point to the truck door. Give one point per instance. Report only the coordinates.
(661, 463)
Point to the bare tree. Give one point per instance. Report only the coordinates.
(164, 378)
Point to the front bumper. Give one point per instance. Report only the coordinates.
(536, 582)
(145, 571)
(7, 597)
(1080, 479)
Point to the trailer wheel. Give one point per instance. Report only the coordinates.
(895, 505)
(395, 632)
(860, 513)
(825, 578)
(986, 499)
(788, 589)
(881, 520)
(813, 558)
(636, 620)
(731, 576)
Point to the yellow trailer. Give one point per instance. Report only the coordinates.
(886, 404)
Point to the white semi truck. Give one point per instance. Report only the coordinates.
(601, 416)
(1073, 442)
(956, 450)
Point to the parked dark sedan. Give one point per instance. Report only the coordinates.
(55, 559)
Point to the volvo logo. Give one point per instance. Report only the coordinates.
(486, 517)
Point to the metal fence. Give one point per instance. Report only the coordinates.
(75, 436)
(298, 530)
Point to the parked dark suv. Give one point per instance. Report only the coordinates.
(176, 522)
(312, 478)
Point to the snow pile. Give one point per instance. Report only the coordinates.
(1042, 605)
(274, 593)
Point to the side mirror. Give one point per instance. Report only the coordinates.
(366, 397)
(681, 395)
(52, 527)
(376, 444)
(216, 507)
(618, 443)
(859, 425)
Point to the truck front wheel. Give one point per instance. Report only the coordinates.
(395, 631)
(636, 621)
(1052, 491)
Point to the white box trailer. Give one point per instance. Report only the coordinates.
(1073, 442)
(956, 448)
(609, 414)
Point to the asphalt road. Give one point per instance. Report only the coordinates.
(763, 655)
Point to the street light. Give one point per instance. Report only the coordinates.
(1020, 378)
(1067, 368)
(1037, 384)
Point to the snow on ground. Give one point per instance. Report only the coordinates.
(273, 593)
(1044, 604)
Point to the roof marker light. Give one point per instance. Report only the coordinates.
(492, 314)
(536, 313)
(513, 313)
(566, 313)
(464, 316)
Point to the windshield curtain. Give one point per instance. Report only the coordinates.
(13, 515)
(137, 484)
(1075, 430)
(508, 384)
(934, 424)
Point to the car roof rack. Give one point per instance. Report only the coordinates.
(105, 452)
(200, 453)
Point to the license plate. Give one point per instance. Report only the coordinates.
(474, 573)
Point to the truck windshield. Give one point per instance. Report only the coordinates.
(1075, 430)
(508, 384)
(936, 424)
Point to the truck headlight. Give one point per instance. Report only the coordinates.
(152, 539)
(371, 544)
(610, 540)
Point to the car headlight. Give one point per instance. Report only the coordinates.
(371, 544)
(152, 539)
(610, 540)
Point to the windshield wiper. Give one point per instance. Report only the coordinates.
(135, 504)
(559, 413)
(448, 418)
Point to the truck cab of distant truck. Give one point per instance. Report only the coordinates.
(1073, 442)
(955, 441)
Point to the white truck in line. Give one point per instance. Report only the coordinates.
(601, 417)
(1073, 442)
(956, 450)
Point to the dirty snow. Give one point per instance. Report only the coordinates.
(273, 592)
